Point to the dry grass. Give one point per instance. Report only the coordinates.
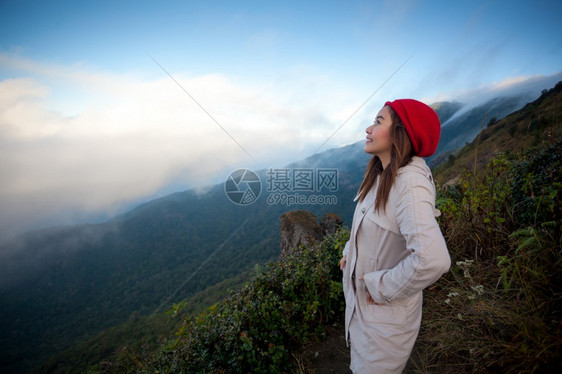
(499, 308)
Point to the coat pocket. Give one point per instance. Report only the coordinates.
(398, 312)
(387, 314)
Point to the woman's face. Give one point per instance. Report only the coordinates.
(378, 134)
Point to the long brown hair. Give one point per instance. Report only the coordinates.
(400, 154)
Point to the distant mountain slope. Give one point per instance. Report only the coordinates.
(461, 124)
(64, 284)
(446, 109)
(61, 285)
(536, 122)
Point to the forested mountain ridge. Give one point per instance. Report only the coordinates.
(461, 124)
(536, 122)
(496, 310)
(65, 284)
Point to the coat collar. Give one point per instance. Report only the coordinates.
(418, 165)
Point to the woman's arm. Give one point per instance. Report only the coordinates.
(344, 255)
(429, 257)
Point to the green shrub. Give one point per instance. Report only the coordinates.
(499, 308)
(285, 305)
(475, 218)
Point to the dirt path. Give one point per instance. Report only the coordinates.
(331, 356)
(327, 357)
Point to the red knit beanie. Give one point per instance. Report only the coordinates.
(421, 122)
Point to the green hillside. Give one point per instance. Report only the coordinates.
(94, 277)
(461, 123)
(139, 333)
(535, 123)
(497, 310)
(258, 328)
(61, 288)
(64, 285)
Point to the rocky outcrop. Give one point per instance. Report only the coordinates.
(301, 227)
(330, 223)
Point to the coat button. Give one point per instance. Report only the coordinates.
(363, 210)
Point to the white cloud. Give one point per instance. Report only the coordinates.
(510, 86)
(132, 137)
(75, 142)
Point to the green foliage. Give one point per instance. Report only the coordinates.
(478, 203)
(255, 329)
(140, 334)
(499, 308)
(537, 181)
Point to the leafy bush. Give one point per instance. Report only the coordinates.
(476, 215)
(499, 309)
(288, 303)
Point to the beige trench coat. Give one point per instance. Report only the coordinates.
(399, 252)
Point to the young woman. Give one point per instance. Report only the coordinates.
(396, 248)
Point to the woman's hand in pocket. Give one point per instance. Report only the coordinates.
(370, 299)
